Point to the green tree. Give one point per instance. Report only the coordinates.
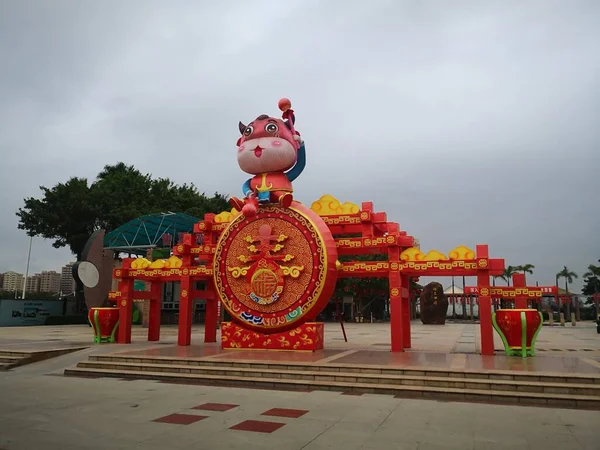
(592, 285)
(509, 271)
(526, 268)
(569, 276)
(70, 212)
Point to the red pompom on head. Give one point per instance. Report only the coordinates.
(284, 104)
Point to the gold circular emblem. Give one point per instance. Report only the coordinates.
(184, 293)
(485, 292)
(395, 292)
(123, 302)
(483, 263)
(264, 282)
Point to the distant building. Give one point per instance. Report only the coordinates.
(33, 284)
(49, 281)
(67, 282)
(1, 280)
(12, 281)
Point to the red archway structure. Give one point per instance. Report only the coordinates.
(357, 231)
(519, 292)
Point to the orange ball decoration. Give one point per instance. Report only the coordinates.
(284, 104)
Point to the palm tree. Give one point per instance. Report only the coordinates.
(569, 276)
(526, 268)
(508, 273)
(594, 272)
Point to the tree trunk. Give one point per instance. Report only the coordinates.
(568, 301)
(595, 300)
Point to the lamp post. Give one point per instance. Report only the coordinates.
(27, 269)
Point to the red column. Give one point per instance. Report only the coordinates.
(405, 311)
(485, 301)
(396, 312)
(125, 311)
(396, 303)
(519, 282)
(154, 314)
(210, 323)
(186, 306)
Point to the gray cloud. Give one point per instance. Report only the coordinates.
(470, 124)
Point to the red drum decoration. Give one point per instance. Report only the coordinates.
(276, 270)
(518, 329)
(105, 322)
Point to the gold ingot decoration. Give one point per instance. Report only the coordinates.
(328, 205)
(412, 254)
(461, 253)
(173, 263)
(140, 263)
(158, 264)
(226, 216)
(434, 255)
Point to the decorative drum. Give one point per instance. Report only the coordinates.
(518, 329)
(276, 270)
(105, 322)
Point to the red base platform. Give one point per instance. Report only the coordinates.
(306, 337)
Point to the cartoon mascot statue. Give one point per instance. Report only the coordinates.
(272, 152)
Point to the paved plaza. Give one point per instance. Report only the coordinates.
(40, 408)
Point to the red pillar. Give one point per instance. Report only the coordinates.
(485, 301)
(396, 303)
(210, 323)
(186, 306)
(396, 312)
(405, 311)
(125, 311)
(519, 282)
(155, 307)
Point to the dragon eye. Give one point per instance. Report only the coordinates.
(271, 128)
(248, 131)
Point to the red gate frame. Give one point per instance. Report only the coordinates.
(519, 292)
(376, 235)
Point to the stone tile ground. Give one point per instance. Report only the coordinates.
(450, 338)
(39, 408)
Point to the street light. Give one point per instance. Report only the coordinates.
(27, 269)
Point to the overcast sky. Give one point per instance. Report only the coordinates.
(467, 121)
